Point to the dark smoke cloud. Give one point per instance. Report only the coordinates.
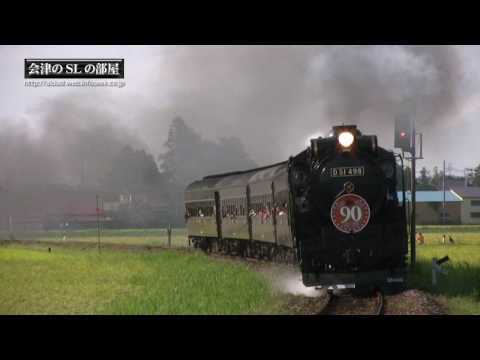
(237, 90)
(275, 96)
(74, 142)
(271, 97)
(420, 80)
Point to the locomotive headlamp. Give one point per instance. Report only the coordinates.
(346, 139)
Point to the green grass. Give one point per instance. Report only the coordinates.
(460, 289)
(65, 281)
(167, 282)
(152, 237)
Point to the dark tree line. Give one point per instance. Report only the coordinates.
(427, 180)
(476, 176)
(187, 157)
(133, 171)
(433, 180)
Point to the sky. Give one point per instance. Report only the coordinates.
(274, 98)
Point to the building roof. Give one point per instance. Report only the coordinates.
(431, 196)
(467, 192)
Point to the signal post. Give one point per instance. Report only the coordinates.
(405, 139)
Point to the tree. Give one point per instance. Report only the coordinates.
(476, 176)
(424, 178)
(425, 181)
(188, 157)
(180, 162)
(133, 171)
(437, 178)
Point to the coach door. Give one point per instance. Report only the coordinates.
(234, 224)
(261, 212)
(274, 214)
(282, 224)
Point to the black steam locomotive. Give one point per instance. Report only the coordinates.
(333, 209)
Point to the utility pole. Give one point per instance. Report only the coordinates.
(405, 139)
(98, 224)
(413, 250)
(102, 220)
(443, 204)
(469, 174)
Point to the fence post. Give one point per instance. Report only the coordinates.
(436, 268)
(169, 233)
(11, 236)
(98, 224)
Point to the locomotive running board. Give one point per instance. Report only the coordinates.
(359, 279)
(337, 287)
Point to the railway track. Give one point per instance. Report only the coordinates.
(380, 303)
(348, 304)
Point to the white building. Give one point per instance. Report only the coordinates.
(470, 209)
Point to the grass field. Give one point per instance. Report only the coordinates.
(169, 282)
(460, 289)
(152, 237)
(65, 281)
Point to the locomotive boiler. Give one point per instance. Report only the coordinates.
(332, 209)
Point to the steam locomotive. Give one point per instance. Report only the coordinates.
(332, 209)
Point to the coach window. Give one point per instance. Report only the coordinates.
(189, 211)
(224, 208)
(281, 203)
(208, 210)
(257, 204)
(193, 210)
